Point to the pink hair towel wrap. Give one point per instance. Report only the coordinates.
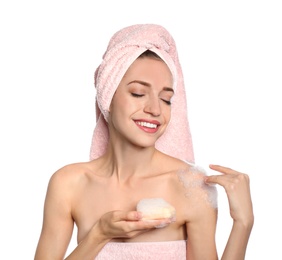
(124, 47)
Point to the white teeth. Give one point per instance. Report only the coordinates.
(146, 124)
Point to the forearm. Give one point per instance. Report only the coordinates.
(238, 240)
(89, 247)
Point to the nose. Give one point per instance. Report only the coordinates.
(153, 107)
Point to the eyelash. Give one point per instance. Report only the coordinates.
(168, 102)
(137, 95)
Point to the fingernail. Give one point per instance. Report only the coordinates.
(139, 215)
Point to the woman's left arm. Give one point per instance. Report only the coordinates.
(237, 188)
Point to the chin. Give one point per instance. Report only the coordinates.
(145, 143)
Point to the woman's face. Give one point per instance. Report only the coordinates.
(140, 109)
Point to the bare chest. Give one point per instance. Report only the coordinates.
(98, 198)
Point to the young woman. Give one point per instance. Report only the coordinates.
(141, 149)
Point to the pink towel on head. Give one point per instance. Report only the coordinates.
(124, 47)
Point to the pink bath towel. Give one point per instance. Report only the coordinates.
(124, 47)
(165, 250)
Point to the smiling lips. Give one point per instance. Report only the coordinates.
(148, 126)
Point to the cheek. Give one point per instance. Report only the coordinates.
(119, 110)
(167, 112)
(128, 105)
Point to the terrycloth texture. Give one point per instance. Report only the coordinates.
(169, 250)
(124, 47)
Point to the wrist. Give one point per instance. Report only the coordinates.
(96, 234)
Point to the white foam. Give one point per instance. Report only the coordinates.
(192, 179)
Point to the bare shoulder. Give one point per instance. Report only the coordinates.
(194, 187)
(69, 171)
(70, 175)
(188, 185)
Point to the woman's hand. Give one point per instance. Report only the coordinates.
(237, 188)
(120, 224)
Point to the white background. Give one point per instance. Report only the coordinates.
(232, 63)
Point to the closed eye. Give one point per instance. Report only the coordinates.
(137, 95)
(168, 102)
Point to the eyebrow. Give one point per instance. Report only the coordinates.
(146, 84)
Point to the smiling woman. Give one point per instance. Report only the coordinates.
(142, 99)
(142, 150)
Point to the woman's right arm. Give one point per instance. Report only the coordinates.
(57, 224)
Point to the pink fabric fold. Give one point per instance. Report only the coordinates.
(124, 47)
(166, 250)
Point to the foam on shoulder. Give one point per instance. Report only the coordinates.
(192, 179)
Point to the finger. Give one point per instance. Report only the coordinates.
(127, 216)
(222, 169)
(134, 216)
(216, 179)
(158, 223)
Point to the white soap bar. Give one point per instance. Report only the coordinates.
(155, 208)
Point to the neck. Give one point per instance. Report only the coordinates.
(126, 160)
